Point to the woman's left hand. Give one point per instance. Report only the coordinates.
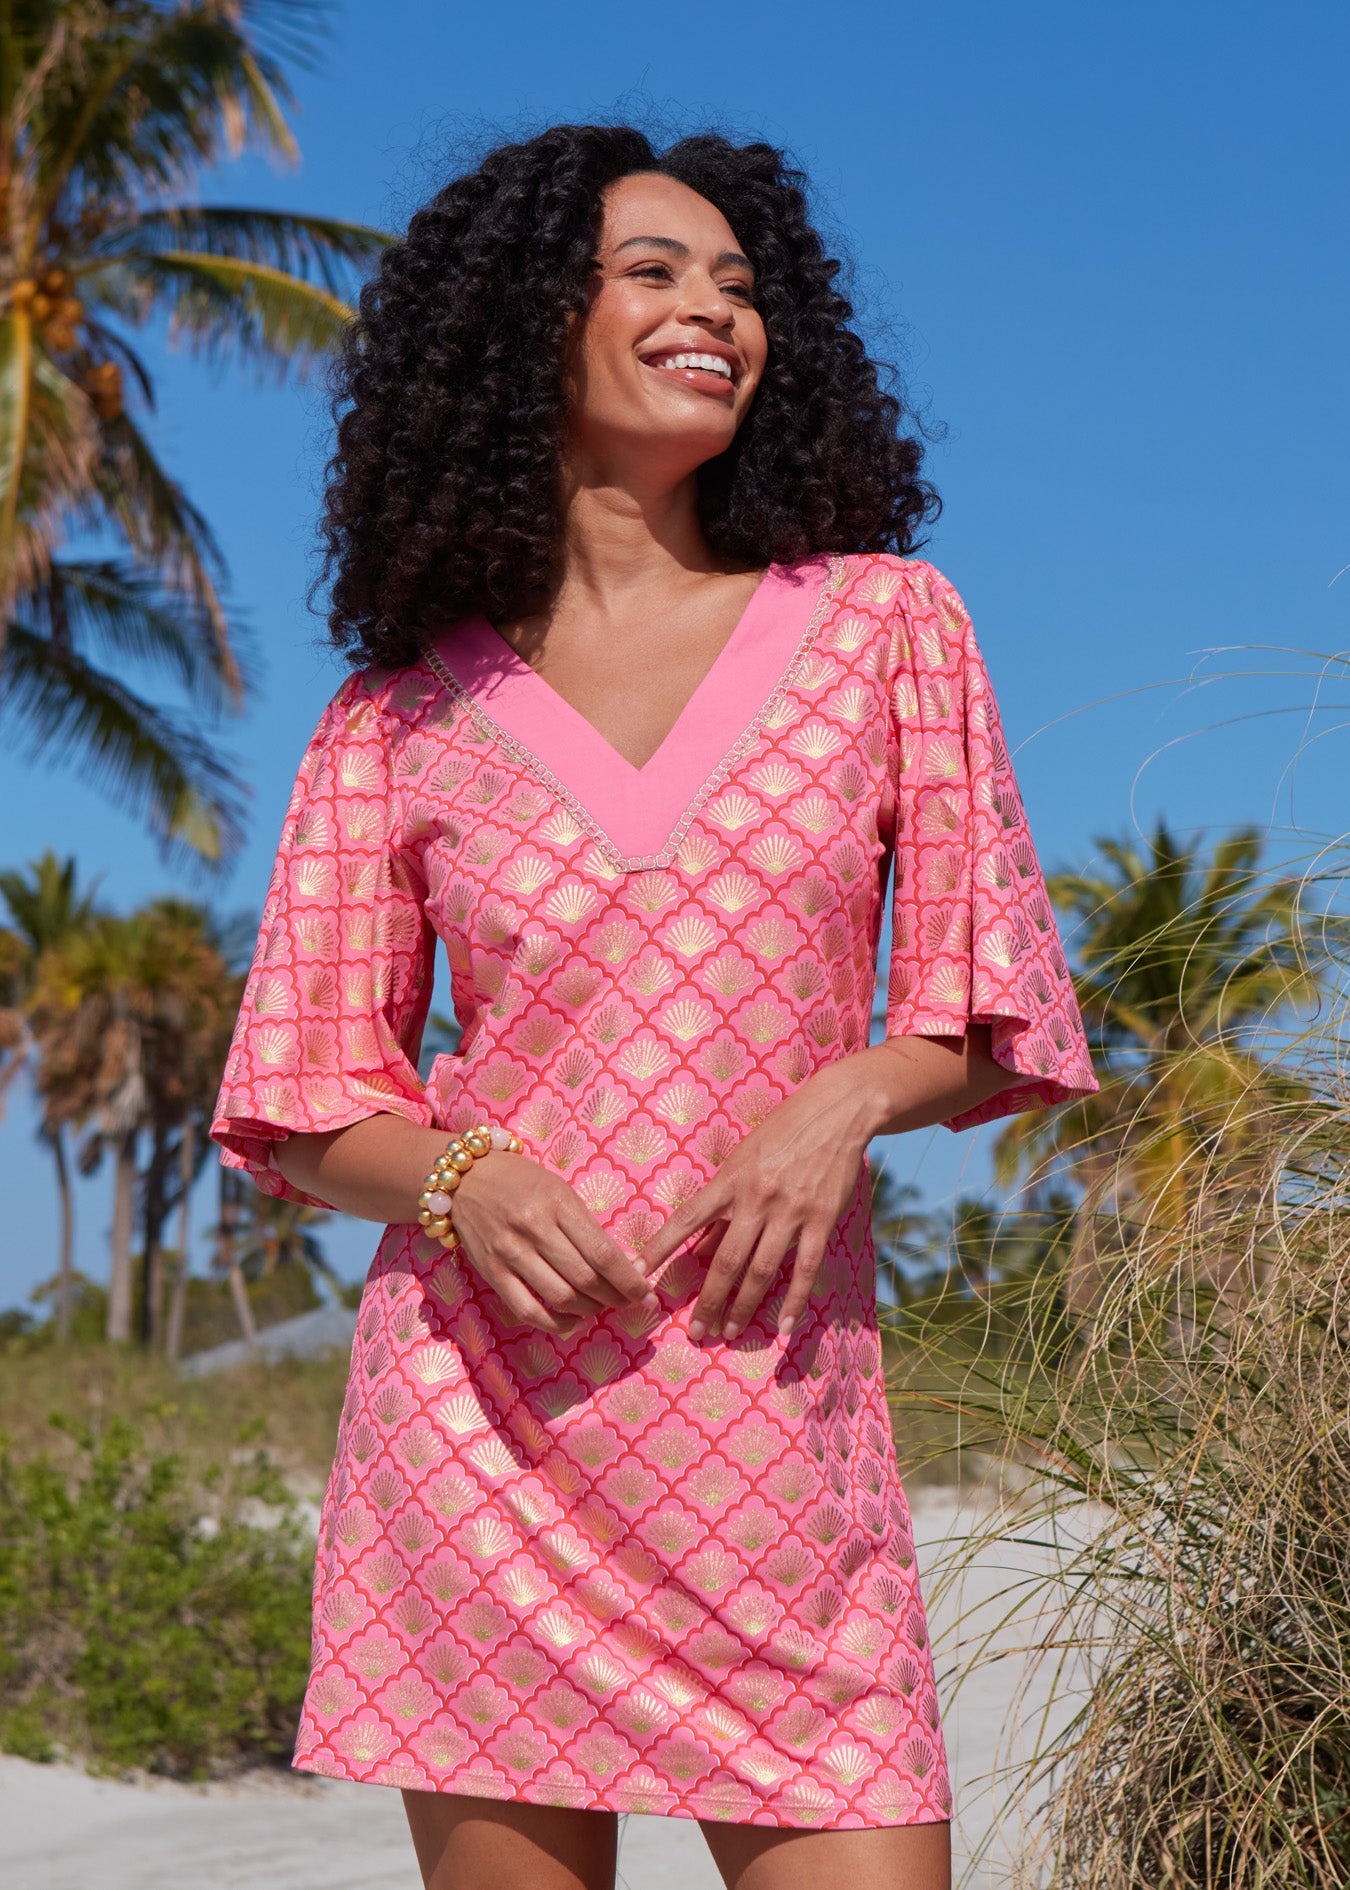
(784, 1185)
(790, 1179)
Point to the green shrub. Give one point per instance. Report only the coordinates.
(145, 1621)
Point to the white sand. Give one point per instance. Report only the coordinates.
(61, 1830)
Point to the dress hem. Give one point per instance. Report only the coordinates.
(641, 1799)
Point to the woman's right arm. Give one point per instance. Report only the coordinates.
(521, 1227)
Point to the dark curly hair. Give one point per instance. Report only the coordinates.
(442, 496)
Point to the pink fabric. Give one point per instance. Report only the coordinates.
(623, 1570)
(640, 807)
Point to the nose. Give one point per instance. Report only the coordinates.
(702, 301)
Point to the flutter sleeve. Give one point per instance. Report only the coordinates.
(973, 936)
(337, 995)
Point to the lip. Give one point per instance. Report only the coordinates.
(724, 353)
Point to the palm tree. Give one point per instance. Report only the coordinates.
(132, 1019)
(1187, 964)
(189, 999)
(905, 1237)
(47, 911)
(109, 112)
(440, 1038)
(278, 1233)
(233, 1191)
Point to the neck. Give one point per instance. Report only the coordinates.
(621, 539)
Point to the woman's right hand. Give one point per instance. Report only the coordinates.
(524, 1231)
(530, 1237)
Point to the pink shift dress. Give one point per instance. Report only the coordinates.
(624, 1570)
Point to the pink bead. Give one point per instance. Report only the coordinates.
(501, 1138)
(439, 1202)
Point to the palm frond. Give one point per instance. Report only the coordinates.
(46, 902)
(108, 345)
(327, 249)
(125, 611)
(62, 437)
(148, 760)
(160, 92)
(289, 30)
(257, 108)
(224, 307)
(163, 528)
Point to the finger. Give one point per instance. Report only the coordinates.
(547, 1284)
(733, 1251)
(762, 1269)
(811, 1247)
(520, 1305)
(700, 1253)
(708, 1242)
(516, 1257)
(501, 1273)
(696, 1213)
(614, 1271)
(592, 1288)
(547, 1231)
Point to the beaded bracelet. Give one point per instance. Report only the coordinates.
(435, 1201)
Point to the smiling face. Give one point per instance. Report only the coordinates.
(666, 361)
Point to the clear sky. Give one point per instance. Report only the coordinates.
(1109, 245)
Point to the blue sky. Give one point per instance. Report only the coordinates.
(1108, 246)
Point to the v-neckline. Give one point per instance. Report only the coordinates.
(640, 814)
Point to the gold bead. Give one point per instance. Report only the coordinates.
(515, 1146)
(461, 1160)
(477, 1143)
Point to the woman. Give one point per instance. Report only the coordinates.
(647, 694)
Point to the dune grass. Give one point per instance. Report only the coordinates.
(1184, 1462)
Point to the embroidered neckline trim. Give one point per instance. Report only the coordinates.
(585, 819)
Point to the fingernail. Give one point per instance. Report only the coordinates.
(730, 1331)
(696, 1328)
(784, 1327)
(650, 1299)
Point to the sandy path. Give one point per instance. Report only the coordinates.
(64, 1831)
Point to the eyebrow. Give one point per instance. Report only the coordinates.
(732, 257)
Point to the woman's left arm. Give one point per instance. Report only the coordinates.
(789, 1180)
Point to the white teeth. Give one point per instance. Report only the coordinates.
(712, 362)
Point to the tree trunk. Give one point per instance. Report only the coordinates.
(152, 1261)
(187, 1162)
(227, 1257)
(65, 1268)
(124, 1216)
(12, 453)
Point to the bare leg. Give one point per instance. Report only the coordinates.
(465, 1843)
(759, 1857)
